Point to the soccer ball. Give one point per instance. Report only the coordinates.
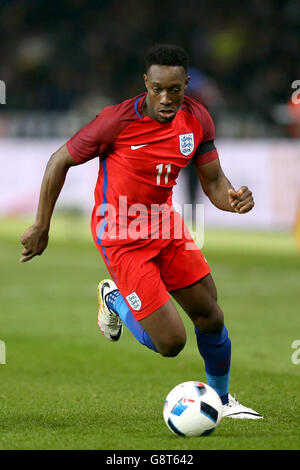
(192, 409)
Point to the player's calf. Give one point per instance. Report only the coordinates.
(166, 330)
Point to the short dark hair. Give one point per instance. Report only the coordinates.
(166, 54)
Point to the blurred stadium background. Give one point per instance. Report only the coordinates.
(61, 63)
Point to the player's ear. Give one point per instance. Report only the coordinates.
(146, 80)
(187, 81)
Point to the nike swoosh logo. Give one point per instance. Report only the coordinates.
(135, 147)
(117, 336)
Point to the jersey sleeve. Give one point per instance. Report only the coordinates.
(206, 150)
(94, 139)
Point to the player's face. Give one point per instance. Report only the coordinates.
(165, 85)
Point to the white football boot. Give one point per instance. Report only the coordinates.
(109, 322)
(233, 409)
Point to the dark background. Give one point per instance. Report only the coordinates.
(82, 54)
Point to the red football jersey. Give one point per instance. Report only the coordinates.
(140, 159)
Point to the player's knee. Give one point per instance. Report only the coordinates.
(217, 320)
(212, 321)
(172, 346)
(217, 326)
(172, 350)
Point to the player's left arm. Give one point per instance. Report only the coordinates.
(221, 192)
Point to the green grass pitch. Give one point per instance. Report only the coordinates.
(64, 386)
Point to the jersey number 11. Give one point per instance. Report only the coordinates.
(160, 169)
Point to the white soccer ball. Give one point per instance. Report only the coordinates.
(192, 409)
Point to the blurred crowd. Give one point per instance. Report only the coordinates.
(80, 54)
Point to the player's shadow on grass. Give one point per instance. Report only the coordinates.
(49, 421)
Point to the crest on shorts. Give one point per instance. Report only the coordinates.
(186, 143)
(134, 301)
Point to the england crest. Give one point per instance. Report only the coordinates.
(134, 301)
(186, 143)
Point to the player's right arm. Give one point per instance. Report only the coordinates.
(35, 238)
(91, 141)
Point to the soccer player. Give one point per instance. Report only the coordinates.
(142, 144)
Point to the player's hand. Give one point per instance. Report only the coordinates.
(241, 200)
(35, 241)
